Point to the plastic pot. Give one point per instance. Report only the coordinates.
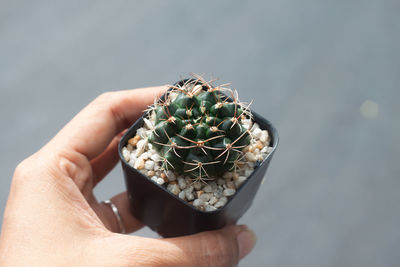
(171, 216)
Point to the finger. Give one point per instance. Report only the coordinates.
(224, 247)
(110, 220)
(106, 161)
(92, 129)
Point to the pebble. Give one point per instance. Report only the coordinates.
(129, 147)
(139, 164)
(164, 176)
(126, 154)
(182, 183)
(250, 148)
(230, 184)
(213, 200)
(174, 189)
(157, 167)
(250, 156)
(170, 175)
(247, 172)
(151, 151)
(149, 165)
(150, 173)
(199, 193)
(155, 157)
(210, 208)
(257, 132)
(154, 179)
(229, 192)
(133, 141)
(247, 123)
(132, 161)
(144, 155)
(240, 181)
(205, 197)
(198, 202)
(218, 193)
(197, 185)
(141, 132)
(260, 157)
(160, 181)
(189, 189)
(189, 195)
(182, 195)
(213, 185)
(221, 202)
(140, 147)
(264, 136)
(208, 189)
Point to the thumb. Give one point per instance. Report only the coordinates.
(224, 247)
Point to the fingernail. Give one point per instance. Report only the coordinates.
(246, 240)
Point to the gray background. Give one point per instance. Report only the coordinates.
(331, 197)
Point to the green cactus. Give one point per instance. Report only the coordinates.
(198, 129)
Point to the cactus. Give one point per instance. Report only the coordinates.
(198, 130)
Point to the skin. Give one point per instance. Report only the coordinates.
(52, 217)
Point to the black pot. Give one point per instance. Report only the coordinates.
(171, 216)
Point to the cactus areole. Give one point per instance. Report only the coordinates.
(198, 130)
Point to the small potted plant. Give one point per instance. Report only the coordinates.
(195, 159)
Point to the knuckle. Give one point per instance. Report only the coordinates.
(106, 96)
(25, 174)
(107, 99)
(20, 172)
(30, 168)
(104, 101)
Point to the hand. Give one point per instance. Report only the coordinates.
(52, 217)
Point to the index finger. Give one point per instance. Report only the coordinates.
(93, 128)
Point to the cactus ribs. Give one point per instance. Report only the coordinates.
(198, 130)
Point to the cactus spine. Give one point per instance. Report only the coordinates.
(198, 130)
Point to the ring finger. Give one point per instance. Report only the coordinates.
(110, 218)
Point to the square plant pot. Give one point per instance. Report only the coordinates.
(171, 216)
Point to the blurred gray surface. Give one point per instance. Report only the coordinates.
(331, 197)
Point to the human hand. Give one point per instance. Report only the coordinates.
(52, 217)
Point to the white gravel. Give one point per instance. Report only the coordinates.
(160, 181)
(229, 192)
(206, 197)
(149, 165)
(198, 202)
